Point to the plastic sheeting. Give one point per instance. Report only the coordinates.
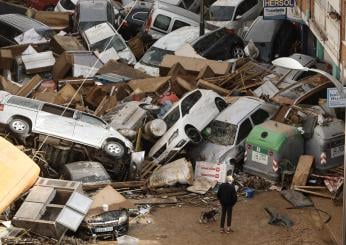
(179, 171)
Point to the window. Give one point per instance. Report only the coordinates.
(172, 117)
(92, 120)
(251, 3)
(190, 101)
(221, 133)
(154, 56)
(162, 22)
(242, 8)
(244, 130)
(57, 110)
(178, 24)
(24, 102)
(140, 16)
(259, 116)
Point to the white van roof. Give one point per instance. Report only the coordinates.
(176, 39)
(227, 3)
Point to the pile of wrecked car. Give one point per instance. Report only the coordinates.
(89, 135)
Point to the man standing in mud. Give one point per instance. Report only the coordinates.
(227, 196)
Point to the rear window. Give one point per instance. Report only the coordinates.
(32, 104)
(162, 22)
(141, 16)
(221, 133)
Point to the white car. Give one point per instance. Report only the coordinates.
(167, 44)
(185, 121)
(104, 38)
(232, 13)
(25, 116)
(224, 137)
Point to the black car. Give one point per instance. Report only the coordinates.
(134, 20)
(12, 25)
(221, 44)
(107, 225)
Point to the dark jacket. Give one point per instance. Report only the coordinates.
(227, 194)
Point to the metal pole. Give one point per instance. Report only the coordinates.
(343, 242)
(201, 22)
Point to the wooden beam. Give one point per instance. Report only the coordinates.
(115, 185)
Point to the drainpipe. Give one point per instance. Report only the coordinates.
(201, 22)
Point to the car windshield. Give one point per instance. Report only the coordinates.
(116, 43)
(221, 133)
(221, 13)
(171, 118)
(154, 56)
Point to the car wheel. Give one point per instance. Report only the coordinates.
(220, 104)
(19, 126)
(193, 134)
(114, 149)
(238, 52)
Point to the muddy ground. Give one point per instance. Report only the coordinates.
(179, 225)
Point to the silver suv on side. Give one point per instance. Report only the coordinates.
(24, 116)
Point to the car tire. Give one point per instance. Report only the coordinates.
(114, 149)
(220, 104)
(238, 52)
(19, 126)
(193, 134)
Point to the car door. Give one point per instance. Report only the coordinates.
(194, 110)
(90, 130)
(55, 121)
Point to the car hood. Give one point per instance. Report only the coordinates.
(210, 152)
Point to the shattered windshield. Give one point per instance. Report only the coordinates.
(221, 13)
(221, 133)
(171, 118)
(116, 43)
(154, 56)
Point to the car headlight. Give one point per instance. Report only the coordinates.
(173, 136)
(123, 218)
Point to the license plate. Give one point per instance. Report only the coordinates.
(260, 157)
(337, 151)
(104, 229)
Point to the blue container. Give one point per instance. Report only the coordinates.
(249, 192)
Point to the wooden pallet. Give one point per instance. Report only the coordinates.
(148, 168)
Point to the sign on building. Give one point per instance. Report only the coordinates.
(276, 9)
(334, 99)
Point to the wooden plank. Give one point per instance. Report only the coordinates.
(115, 185)
(207, 85)
(303, 170)
(313, 193)
(155, 200)
(30, 86)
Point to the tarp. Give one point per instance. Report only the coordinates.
(17, 173)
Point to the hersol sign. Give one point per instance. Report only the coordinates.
(278, 3)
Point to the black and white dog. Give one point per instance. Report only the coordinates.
(208, 216)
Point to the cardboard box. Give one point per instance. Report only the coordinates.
(62, 66)
(193, 65)
(6, 59)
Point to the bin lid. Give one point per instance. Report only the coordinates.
(330, 130)
(271, 135)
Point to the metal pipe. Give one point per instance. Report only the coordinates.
(201, 22)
